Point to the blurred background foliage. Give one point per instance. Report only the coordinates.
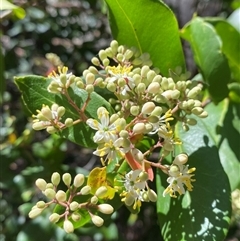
(74, 30)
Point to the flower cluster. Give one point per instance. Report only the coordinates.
(70, 200)
(179, 176)
(146, 105)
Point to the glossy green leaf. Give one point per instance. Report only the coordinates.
(35, 94)
(208, 55)
(234, 92)
(204, 213)
(151, 27)
(230, 38)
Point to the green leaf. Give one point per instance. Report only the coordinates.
(204, 213)
(6, 5)
(230, 38)
(35, 94)
(208, 55)
(151, 27)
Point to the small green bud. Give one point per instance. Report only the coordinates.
(93, 70)
(120, 57)
(51, 129)
(150, 75)
(152, 195)
(175, 94)
(49, 193)
(63, 79)
(134, 110)
(143, 176)
(121, 82)
(47, 113)
(120, 49)
(78, 180)
(154, 88)
(98, 221)
(157, 78)
(129, 200)
(61, 111)
(124, 134)
(35, 212)
(197, 103)
(80, 84)
(54, 218)
(41, 184)
(109, 52)
(76, 217)
(89, 88)
(204, 114)
(85, 72)
(49, 185)
(190, 104)
(41, 204)
(94, 199)
(102, 55)
(138, 155)
(85, 190)
(137, 61)
(68, 226)
(61, 196)
(194, 92)
(128, 54)
(114, 46)
(37, 126)
(153, 119)
(174, 171)
(148, 107)
(106, 62)
(144, 70)
(164, 83)
(111, 87)
(74, 205)
(113, 118)
(68, 122)
(181, 159)
(101, 191)
(105, 208)
(141, 88)
(157, 111)
(90, 78)
(95, 61)
(197, 110)
(55, 179)
(185, 127)
(139, 128)
(66, 177)
(137, 79)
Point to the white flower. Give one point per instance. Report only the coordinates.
(133, 182)
(105, 130)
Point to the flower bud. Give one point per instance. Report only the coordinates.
(41, 204)
(76, 217)
(111, 87)
(190, 103)
(124, 134)
(41, 184)
(191, 122)
(197, 110)
(143, 176)
(154, 88)
(55, 179)
(138, 155)
(134, 110)
(94, 199)
(148, 107)
(68, 122)
(144, 70)
(51, 129)
(174, 171)
(137, 61)
(78, 180)
(128, 54)
(61, 196)
(141, 88)
(153, 119)
(129, 199)
(60, 111)
(95, 61)
(37, 126)
(54, 218)
(120, 57)
(106, 62)
(49, 193)
(101, 191)
(63, 79)
(121, 82)
(89, 88)
(102, 55)
(109, 52)
(204, 114)
(98, 221)
(148, 127)
(175, 94)
(74, 205)
(137, 79)
(35, 212)
(194, 92)
(49, 185)
(93, 70)
(150, 75)
(68, 226)
(90, 77)
(157, 111)
(85, 190)
(114, 46)
(181, 159)
(47, 113)
(152, 195)
(139, 128)
(66, 177)
(80, 84)
(105, 208)
(164, 83)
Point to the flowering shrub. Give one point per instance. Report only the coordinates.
(133, 102)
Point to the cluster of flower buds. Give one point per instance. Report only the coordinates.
(70, 200)
(49, 119)
(179, 176)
